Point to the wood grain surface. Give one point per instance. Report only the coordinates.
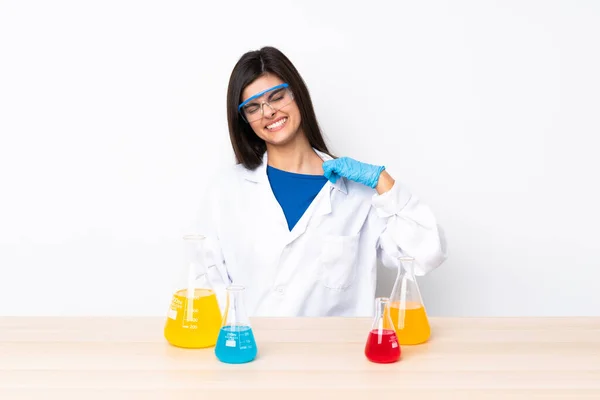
(300, 358)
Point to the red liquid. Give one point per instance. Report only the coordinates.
(382, 348)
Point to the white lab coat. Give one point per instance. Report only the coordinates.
(326, 265)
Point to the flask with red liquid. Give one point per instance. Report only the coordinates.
(382, 344)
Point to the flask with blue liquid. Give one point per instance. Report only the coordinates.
(235, 344)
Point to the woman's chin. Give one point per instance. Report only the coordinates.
(277, 138)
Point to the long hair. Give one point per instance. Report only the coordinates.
(247, 146)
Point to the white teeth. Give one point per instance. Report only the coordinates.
(277, 124)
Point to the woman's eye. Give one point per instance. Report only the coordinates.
(277, 98)
(251, 109)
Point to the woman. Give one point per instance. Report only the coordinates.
(301, 229)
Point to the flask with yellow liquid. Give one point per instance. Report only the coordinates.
(194, 317)
(406, 306)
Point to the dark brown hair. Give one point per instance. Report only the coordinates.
(248, 147)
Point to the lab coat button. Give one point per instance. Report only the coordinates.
(280, 289)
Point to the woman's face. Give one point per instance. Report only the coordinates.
(275, 127)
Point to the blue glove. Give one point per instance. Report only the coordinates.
(356, 171)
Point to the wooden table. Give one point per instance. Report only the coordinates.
(299, 358)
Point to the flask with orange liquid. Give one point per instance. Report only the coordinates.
(406, 306)
(194, 317)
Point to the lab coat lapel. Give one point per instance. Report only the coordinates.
(319, 208)
(320, 205)
(271, 213)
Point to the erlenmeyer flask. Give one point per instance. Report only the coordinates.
(406, 306)
(236, 344)
(194, 317)
(382, 344)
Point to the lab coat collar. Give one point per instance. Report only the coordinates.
(259, 175)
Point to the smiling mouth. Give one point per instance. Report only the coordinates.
(277, 124)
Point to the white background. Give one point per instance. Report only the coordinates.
(112, 118)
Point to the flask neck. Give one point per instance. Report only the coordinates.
(404, 276)
(380, 307)
(406, 268)
(405, 292)
(382, 314)
(196, 274)
(194, 252)
(235, 313)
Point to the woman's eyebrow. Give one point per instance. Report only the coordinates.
(276, 91)
(270, 96)
(253, 99)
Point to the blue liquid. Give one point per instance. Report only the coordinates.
(236, 345)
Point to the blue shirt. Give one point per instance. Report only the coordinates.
(294, 192)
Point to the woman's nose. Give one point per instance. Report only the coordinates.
(268, 112)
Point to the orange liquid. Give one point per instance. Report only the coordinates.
(198, 329)
(416, 325)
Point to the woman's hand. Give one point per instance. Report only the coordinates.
(360, 172)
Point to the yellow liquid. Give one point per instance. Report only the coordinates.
(202, 329)
(416, 325)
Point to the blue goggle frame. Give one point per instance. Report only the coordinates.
(257, 95)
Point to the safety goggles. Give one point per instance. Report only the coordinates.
(275, 98)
